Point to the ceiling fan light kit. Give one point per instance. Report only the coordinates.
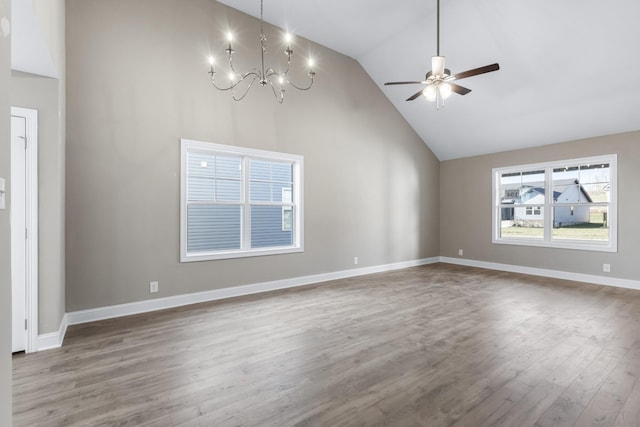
(439, 81)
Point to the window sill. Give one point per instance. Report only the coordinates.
(213, 256)
(559, 244)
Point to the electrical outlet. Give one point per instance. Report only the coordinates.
(355, 260)
(606, 268)
(153, 287)
(460, 252)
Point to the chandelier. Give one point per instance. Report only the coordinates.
(239, 84)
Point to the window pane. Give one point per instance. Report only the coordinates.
(267, 227)
(200, 164)
(228, 191)
(228, 167)
(510, 184)
(260, 170)
(581, 184)
(200, 189)
(269, 180)
(260, 191)
(600, 172)
(581, 222)
(287, 195)
(567, 174)
(204, 181)
(599, 193)
(522, 222)
(570, 193)
(287, 218)
(531, 196)
(281, 172)
(281, 192)
(522, 187)
(200, 177)
(533, 178)
(213, 228)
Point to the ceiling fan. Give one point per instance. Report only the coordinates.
(439, 80)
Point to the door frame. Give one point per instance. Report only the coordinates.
(31, 221)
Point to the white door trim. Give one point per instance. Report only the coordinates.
(31, 221)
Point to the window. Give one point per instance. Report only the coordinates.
(238, 202)
(533, 210)
(565, 204)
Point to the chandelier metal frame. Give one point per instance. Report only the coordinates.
(265, 76)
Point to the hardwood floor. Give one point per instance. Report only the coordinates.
(437, 345)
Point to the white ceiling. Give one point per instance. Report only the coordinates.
(29, 50)
(570, 69)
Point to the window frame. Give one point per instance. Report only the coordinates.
(548, 241)
(246, 154)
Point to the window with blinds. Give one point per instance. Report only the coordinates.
(238, 202)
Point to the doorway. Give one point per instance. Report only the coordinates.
(24, 229)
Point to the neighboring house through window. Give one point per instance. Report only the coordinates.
(568, 204)
(238, 202)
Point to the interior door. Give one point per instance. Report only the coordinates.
(18, 233)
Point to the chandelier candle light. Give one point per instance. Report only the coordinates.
(265, 76)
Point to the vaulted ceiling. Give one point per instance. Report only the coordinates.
(569, 68)
(29, 50)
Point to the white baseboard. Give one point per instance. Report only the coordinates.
(53, 339)
(101, 313)
(576, 277)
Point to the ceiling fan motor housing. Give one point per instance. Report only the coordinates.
(437, 66)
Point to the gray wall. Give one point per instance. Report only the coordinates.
(466, 204)
(41, 93)
(137, 83)
(5, 237)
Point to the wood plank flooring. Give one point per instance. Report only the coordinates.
(437, 345)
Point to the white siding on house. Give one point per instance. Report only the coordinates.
(564, 215)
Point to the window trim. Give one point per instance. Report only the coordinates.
(547, 241)
(187, 145)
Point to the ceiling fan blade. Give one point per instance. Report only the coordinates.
(460, 90)
(476, 71)
(415, 95)
(403, 83)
